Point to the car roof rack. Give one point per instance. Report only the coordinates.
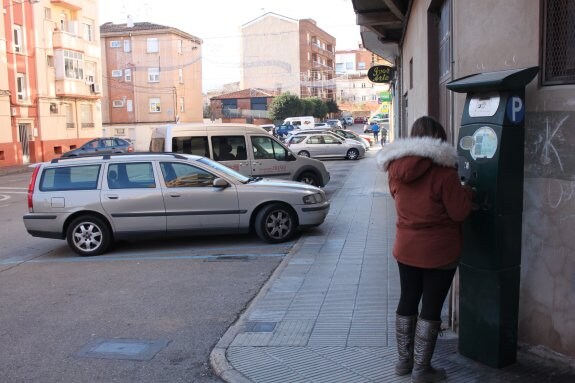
(109, 156)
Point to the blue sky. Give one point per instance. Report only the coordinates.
(217, 23)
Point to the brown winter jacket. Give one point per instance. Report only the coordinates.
(430, 201)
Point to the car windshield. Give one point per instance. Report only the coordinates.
(224, 169)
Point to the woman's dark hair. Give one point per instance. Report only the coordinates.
(428, 127)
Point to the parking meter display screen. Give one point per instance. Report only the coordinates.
(484, 106)
(485, 143)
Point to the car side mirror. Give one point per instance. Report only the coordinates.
(220, 183)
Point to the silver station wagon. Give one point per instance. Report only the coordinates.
(91, 201)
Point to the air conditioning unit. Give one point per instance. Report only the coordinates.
(13, 111)
(53, 107)
(95, 88)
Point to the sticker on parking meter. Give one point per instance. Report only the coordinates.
(484, 106)
(484, 143)
(515, 109)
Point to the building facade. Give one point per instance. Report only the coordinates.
(280, 54)
(49, 64)
(355, 93)
(152, 74)
(433, 42)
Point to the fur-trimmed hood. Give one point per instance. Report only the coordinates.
(422, 153)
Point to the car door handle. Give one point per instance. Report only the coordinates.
(112, 196)
(175, 195)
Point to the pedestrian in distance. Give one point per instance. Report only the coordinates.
(383, 136)
(375, 130)
(431, 206)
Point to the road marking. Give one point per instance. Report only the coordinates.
(10, 187)
(4, 197)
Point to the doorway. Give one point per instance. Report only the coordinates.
(24, 136)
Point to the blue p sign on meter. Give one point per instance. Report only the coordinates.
(515, 109)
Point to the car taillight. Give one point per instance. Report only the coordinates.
(130, 148)
(31, 188)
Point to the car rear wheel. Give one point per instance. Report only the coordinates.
(89, 235)
(275, 223)
(352, 154)
(309, 178)
(303, 153)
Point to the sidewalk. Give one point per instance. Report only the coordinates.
(328, 312)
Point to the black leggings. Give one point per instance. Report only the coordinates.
(430, 286)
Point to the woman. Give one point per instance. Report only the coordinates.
(431, 205)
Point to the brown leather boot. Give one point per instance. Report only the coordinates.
(404, 333)
(426, 333)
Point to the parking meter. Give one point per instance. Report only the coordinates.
(490, 148)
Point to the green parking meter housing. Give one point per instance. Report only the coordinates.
(491, 150)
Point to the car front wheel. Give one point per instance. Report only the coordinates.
(275, 223)
(352, 154)
(89, 235)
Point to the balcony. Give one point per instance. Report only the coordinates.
(67, 40)
(74, 5)
(74, 88)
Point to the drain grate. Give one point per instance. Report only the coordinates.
(260, 326)
(130, 349)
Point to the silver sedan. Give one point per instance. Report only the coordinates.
(325, 145)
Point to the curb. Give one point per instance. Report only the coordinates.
(218, 360)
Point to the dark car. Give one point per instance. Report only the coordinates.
(104, 145)
(360, 120)
(283, 130)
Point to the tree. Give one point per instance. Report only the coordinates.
(332, 107)
(319, 109)
(308, 107)
(284, 106)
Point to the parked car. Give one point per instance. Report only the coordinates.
(320, 125)
(104, 145)
(344, 133)
(360, 120)
(336, 124)
(243, 147)
(268, 128)
(284, 129)
(325, 145)
(92, 201)
(348, 121)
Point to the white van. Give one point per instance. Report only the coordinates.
(306, 122)
(245, 148)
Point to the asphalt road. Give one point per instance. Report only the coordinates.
(66, 318)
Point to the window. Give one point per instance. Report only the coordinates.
(18, 39)
(229, 148)
(48, 13)
(190, 145)
(90, 72)
(153, 74)
(50, 61)
(21, 87)
(131, 176)
(265, 147)
(86, 116)
(152, 45)
(180, 45)
(127, 75)
(70, 178)
(69, 116)
(116, 73)
(118, 103)
(127, 46)
(411, 74)
(74, 65)
(185, 175)
(115, 44)
(181, 75)
(181, 105)
(88, 30)
(155, 105)
(361, 65)
(129, 106)
(558, 52)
